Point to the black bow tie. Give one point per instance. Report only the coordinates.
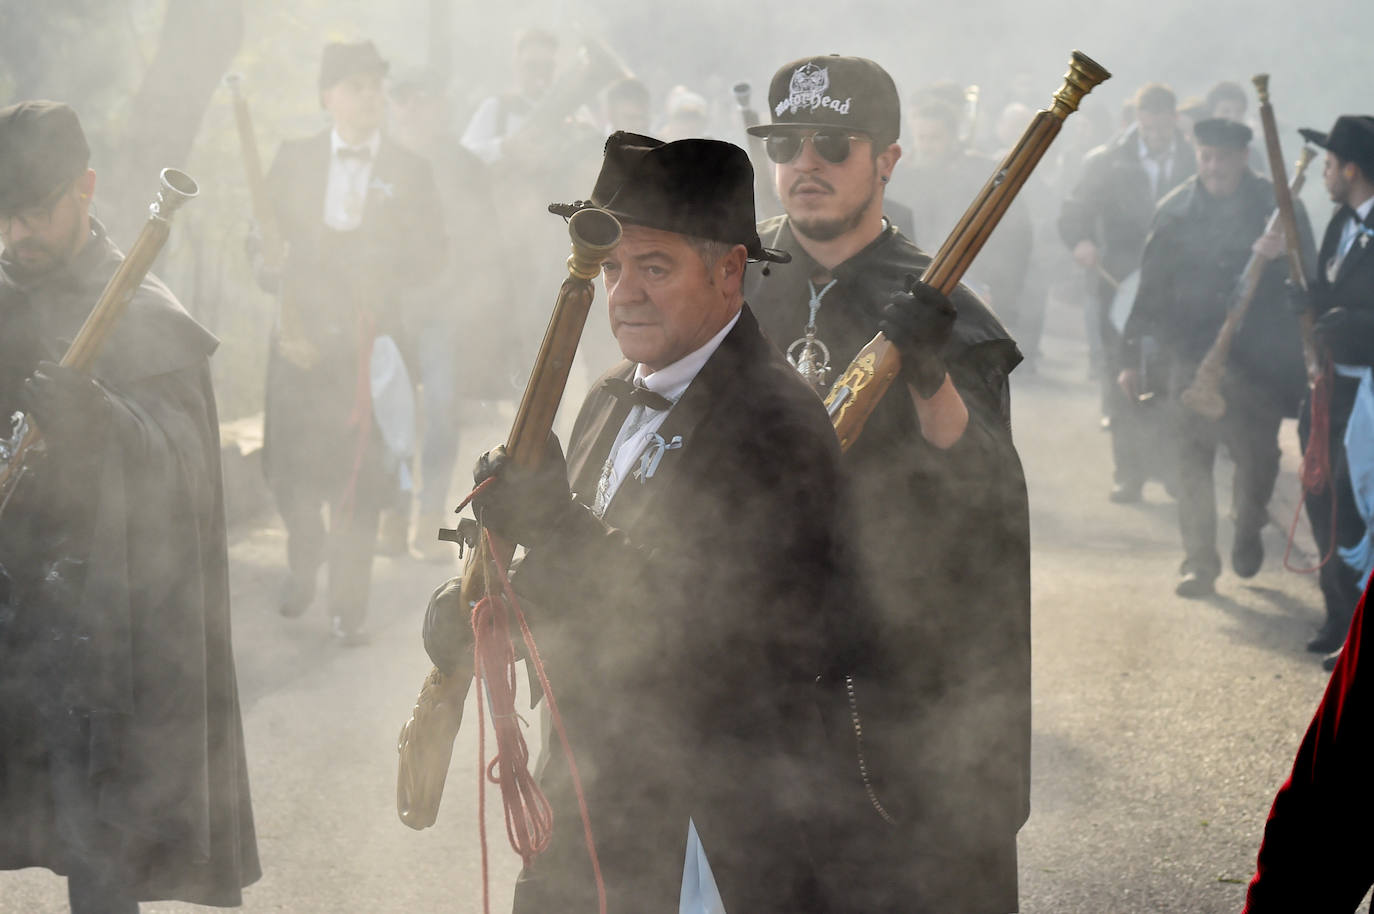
(634, 394)
(361, 153)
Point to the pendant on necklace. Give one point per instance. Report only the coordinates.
(811, 358)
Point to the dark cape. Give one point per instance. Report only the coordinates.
(684, 643)
(943, 548)
(121, 742)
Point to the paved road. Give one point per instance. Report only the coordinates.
(1162, 726)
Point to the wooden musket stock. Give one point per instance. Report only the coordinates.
(1288, 218)
(859, 388)
(426, 741)
(176, 188)
(1203, 396)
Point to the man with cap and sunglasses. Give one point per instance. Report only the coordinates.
(690, 592)
(360, 218)
(121, 747)
(1341, 295)
(1204, 233)
(940, 520)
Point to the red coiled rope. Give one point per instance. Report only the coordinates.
(529, 816)
(1315, 472)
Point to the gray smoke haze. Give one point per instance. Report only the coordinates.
(97, 56)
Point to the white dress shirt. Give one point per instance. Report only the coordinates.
(643, 423)
(345, 192)
(1348, 233)
(1156, 169)
(488, 128)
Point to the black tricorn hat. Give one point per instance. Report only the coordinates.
(42, 146)
(1222, 132)
(341, 60)
(1351, 138)
(696, 187)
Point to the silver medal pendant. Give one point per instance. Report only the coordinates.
(811, 358)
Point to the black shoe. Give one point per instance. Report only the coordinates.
(1125, 493)
(1247, 554)
(297, 595)
(1196, 584)
(1330, 660)
(349, 635)
(1329, 639)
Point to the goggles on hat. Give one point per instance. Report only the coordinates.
(831, 143)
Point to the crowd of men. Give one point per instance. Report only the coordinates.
(807, 667)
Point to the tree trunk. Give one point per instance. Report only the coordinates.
(199, 40)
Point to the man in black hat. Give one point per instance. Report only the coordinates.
(121, 748)
(693, 582)
(1204, 233)
(1341, 295)
(360, 217)
(941, 515)
(1104, 221)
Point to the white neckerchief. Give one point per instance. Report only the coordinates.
(643, 423)
(345, 192)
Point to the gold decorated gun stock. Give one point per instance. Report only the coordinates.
(426, 741)
(1203, 396)
(177, 188)
(859, 388)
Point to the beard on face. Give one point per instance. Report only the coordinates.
(822, 229)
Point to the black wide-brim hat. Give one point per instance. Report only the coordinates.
(42, 146)
(342, 59)
(1350, 138)
(851, 93)
(702, 188)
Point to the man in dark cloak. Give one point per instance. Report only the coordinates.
(1204, 234)
(121, 748)
(940, 511)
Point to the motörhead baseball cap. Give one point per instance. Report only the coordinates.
(853, 93)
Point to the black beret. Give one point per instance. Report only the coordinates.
(341, 60)
(1351, 138)
(702, 188)
(42, 146)
(1222, 132)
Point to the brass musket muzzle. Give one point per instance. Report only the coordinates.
(177, 188)
(595, 233)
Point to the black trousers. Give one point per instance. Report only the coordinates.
(1249, 429)
(1340, 585)
(345, 545)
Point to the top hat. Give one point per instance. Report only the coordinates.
(341, 60)
(1351, 138)
(696, 187)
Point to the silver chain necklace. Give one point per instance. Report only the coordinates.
(808, 355)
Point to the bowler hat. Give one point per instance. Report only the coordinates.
(42, 146)
(341, 60)
(696, 187)
(1222, 132)
(833, 91)
(1350, 138)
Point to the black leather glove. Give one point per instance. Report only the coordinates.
(448, 626)
(523, 505)
(71, 410)
(919, 322)
(1347, 335)
(1299, 299)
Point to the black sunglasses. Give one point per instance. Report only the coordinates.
(831, 144)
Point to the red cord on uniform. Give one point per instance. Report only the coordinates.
(529, 816)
